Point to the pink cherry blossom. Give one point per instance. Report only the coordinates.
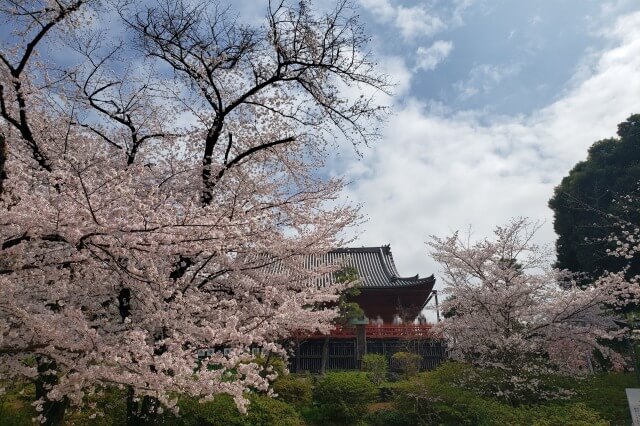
(148, 215)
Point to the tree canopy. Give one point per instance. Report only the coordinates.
(159, 189)
(586, 206)
(508, 311)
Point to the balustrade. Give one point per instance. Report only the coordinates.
(374, 331)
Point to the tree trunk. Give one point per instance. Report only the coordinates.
(298, 355)
(325, 355)
(131, 406)
(142, 412)
(3, 159)
(53, 411)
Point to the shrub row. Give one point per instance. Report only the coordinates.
(446, 396)
(263, 411)
(451, 395)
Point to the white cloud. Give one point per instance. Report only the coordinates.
(395, 67)
(483, 78)
(460, 6)
(429, 58)
(535, 20)
(435, 172)
(611, 8)
(381, 9)
(416, 21)
(412, 21)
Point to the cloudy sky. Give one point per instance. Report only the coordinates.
(496, 101)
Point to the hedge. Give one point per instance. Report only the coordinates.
(342, 397)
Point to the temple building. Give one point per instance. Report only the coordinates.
(392, 304)
(384, 294)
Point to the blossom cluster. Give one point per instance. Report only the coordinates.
(508, 309)
(146, 216)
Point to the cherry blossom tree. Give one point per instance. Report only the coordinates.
(155, 209)
(509, 311)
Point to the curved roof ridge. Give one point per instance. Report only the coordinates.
(384, 252)
(376, 267)
(388, 257)
(390, 266)
(363, 249)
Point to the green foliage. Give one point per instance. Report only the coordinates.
(447, 396)
(342, 397)
(294, 390)
(16, 407)
(496, 384)
(385, 391)
(222, 410)
(348, 310)
(263, 411)
(15, 404)
(110, 403)
(266, 411)
(375, 365)
(272, 363)
(428, 400)
(389, 418)
(453, 394)
(425, 400)
(348, 274)
(559, 415)
(523, 388)
(584, 198)
(407, 363)
(605, 393)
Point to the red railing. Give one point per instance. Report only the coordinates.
(406, 330)
(373, 331)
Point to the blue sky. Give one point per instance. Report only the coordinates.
(495, 103)
(504, 56)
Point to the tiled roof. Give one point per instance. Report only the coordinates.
(375, 267)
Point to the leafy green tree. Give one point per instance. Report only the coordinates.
(585, 203)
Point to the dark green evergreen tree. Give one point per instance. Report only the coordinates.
(586, 203)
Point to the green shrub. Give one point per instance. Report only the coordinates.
(385, 392)
(263, 411)
(389, 418)
(566, 414)
(110, 402)
(222, 410)
(498, 384)
(16, 407)
(428, 401)
(436, 398)
(294, 390)
(15, 404)
(342, 397)
(605, 393)
(407, 363)
(266, 411)
(375, 366)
